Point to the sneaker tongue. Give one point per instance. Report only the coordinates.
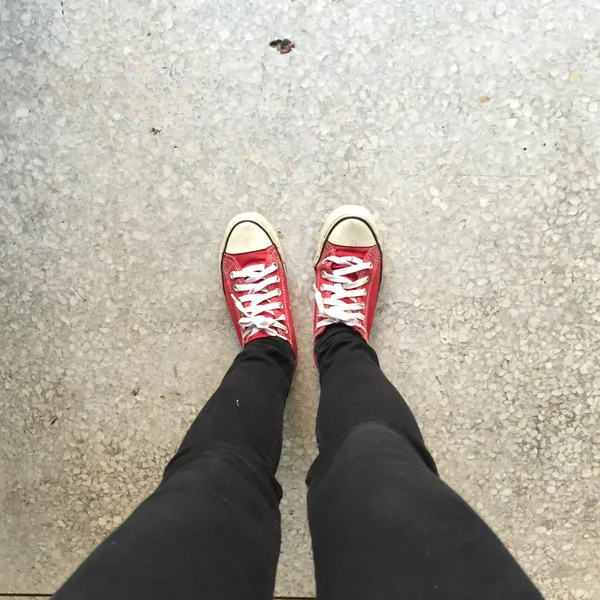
(246, 259)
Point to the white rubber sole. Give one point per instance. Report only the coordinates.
(259, 220)
(339, 214)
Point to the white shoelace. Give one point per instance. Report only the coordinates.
(336, 308)
(256, 304)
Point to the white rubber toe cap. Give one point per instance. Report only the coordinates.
(352, 232)
(248, 232)
(247, 237)
(350, 226)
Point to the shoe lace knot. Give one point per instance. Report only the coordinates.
(345, 280)
(255, 301)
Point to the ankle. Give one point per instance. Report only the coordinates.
(336, 337)
(273, 348)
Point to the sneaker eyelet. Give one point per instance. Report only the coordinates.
(274, 264)
(278, 279)
(368, 279)
(235, 287)
(281, 305)
(231, 275)
(323, 273)
(279, 291)
(370, 265)
(322, 288)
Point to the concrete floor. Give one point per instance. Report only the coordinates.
(130, 132)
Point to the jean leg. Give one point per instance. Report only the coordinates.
(211, 530)
(383, 524)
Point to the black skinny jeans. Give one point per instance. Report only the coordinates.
(383, 525)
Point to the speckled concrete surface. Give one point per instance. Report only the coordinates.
(131, 132)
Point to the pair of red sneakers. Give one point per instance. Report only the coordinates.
(348, 275)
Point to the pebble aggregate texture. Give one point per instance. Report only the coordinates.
(131, 132)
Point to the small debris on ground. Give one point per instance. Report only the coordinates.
(284, 46)
(154, 130)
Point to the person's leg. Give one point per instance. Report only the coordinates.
(383, 524)
(211, 530)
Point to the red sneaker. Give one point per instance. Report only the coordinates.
(348, 271)
(254, 280)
